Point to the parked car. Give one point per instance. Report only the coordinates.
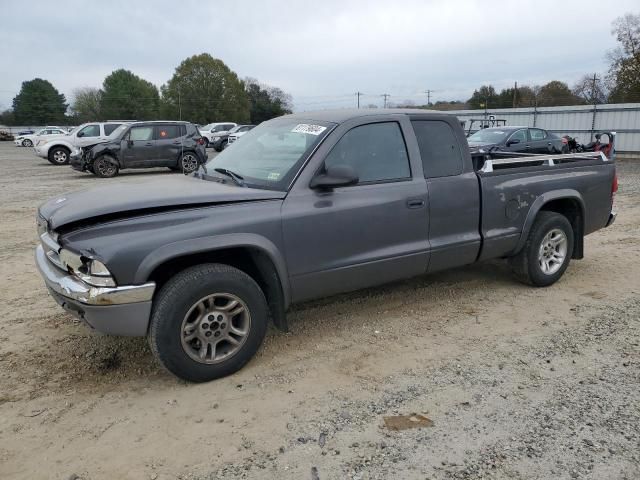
(59, 149)
(306, 206)
(42, 135)
(215, 134)
(6, 136)
(177, 145)
(237, 132)
(516, 139)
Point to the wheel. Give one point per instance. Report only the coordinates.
(222, 146)
(189, 163)
(59, 156)
(547, 252)
(105, 167)
(27, 143)
(207, 322)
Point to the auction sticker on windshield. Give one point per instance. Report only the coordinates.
(309, 129)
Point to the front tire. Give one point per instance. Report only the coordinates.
(27, 143)
(207, 322)
(105, 167)
(547, 252)
(59, 156)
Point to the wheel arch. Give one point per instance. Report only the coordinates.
(565, 202)
(255, 255)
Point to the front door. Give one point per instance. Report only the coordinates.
(138, 147)
(518, 141)
(361, 235)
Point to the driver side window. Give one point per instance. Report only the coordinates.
(520, 135)
(376, 152)
(90, 131)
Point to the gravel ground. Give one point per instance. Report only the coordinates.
(519, 382)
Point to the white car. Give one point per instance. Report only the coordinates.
(213, 130)
(237, 132)
(45, 133)
(59, 149)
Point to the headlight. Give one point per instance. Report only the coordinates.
(89, 270)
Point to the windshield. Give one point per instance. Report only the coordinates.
(207, 127)
(488, 135)
(269, 155)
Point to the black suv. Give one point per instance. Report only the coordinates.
(177, 145)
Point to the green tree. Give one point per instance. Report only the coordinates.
(265, 102)
(7, 118)
(39, 103)
(556, 93)
(203, 90)
(485, 96)
(85, 106)
(125, 96)
(624, 72)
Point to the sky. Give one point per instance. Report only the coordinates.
(321, 52)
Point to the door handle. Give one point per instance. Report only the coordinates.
(415, 203)
(148, 144)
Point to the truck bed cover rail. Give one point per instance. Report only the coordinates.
(550, 160)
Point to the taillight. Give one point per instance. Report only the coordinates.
(201, 141)
(614, 184)
(565, 140)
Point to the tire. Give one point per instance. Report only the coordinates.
(206, 142)
(105, 166)
(27, 143)
(175, 318)
(189, 162)
(549, 247)
(59, 156)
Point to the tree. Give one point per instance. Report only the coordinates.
(86, 104)
(589, 91)
(7, 118)
(203, 90)
(624, 71)
(125, 96)
(39, 103)
(265, 102)
(485, 97)
(556, 93)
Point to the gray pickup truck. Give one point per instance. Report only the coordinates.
(306, 206)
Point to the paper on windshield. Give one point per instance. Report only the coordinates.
(309, 129)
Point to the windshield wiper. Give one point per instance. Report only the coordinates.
(236, 178)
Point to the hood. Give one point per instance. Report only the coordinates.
(128, 199)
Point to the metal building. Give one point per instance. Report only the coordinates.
(580, 121)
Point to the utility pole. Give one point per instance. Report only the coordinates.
(385, 95)
(595, 102)
(179, 104)
(428, 92)
(359, 94)
(515, 95)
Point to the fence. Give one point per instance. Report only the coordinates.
(580, 121)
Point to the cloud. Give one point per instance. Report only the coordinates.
(321, 52)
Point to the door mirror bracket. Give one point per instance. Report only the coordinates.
(335, 176)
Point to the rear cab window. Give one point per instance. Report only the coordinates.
(167, 132)
(439, 148)
(110, 127)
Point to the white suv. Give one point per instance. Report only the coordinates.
(216, 133)
(59, 149)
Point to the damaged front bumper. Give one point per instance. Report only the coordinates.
(122, 310)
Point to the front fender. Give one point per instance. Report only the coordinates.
(539, 203)
(212, 243)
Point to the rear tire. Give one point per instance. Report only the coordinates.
(105, 167)
(59, 156)
(547, 251)
(189, 162)
(214, 307)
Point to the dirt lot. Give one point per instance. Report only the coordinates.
(519, 382)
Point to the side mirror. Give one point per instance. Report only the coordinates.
(335, 176)
(80, 134)
(513, 141)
